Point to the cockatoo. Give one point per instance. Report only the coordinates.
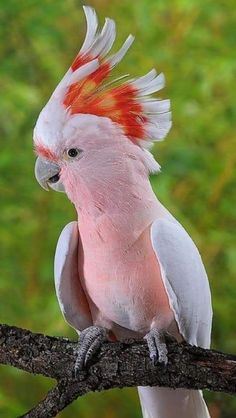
(128, 268)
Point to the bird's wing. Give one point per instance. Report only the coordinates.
(185, 280)
(70, 294)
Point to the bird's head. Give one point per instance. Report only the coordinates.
(91, 123)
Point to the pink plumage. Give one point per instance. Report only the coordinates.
(128, 268)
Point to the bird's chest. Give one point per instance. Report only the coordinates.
(124, 283)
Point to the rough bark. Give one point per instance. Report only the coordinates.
(116, 365)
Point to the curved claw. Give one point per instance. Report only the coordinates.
(89, 343)
(157, 346)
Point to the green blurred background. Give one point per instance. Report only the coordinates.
(193, 42)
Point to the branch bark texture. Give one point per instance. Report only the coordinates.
(116, 365)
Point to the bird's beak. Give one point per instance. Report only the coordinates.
(47, 174)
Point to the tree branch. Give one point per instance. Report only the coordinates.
(117, 365)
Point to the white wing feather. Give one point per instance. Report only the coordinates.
(185, 280)
(70, 294)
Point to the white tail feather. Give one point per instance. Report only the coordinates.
(159, 402)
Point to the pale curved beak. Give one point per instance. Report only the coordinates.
(47, 174)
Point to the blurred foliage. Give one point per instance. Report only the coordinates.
(193, 42)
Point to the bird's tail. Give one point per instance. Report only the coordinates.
(159, 402)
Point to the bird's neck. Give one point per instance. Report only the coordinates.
(114, 208)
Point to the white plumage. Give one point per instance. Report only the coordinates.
(185, 280)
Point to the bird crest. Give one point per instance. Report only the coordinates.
(87, 88)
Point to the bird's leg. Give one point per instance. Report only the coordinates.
(157, 346)
(163, 326)
(89, 343)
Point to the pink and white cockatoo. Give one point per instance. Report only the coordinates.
(128, 269)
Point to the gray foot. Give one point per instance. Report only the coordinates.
(89, 343)
(157, 346)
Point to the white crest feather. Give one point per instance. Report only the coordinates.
(116, 58)
(141, 83)
(156, 106)
(104, 40)
(155, 84)
(83, 72)
(92, 25)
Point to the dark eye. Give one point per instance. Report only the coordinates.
(73, 152)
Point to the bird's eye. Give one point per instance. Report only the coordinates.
(73, 152)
